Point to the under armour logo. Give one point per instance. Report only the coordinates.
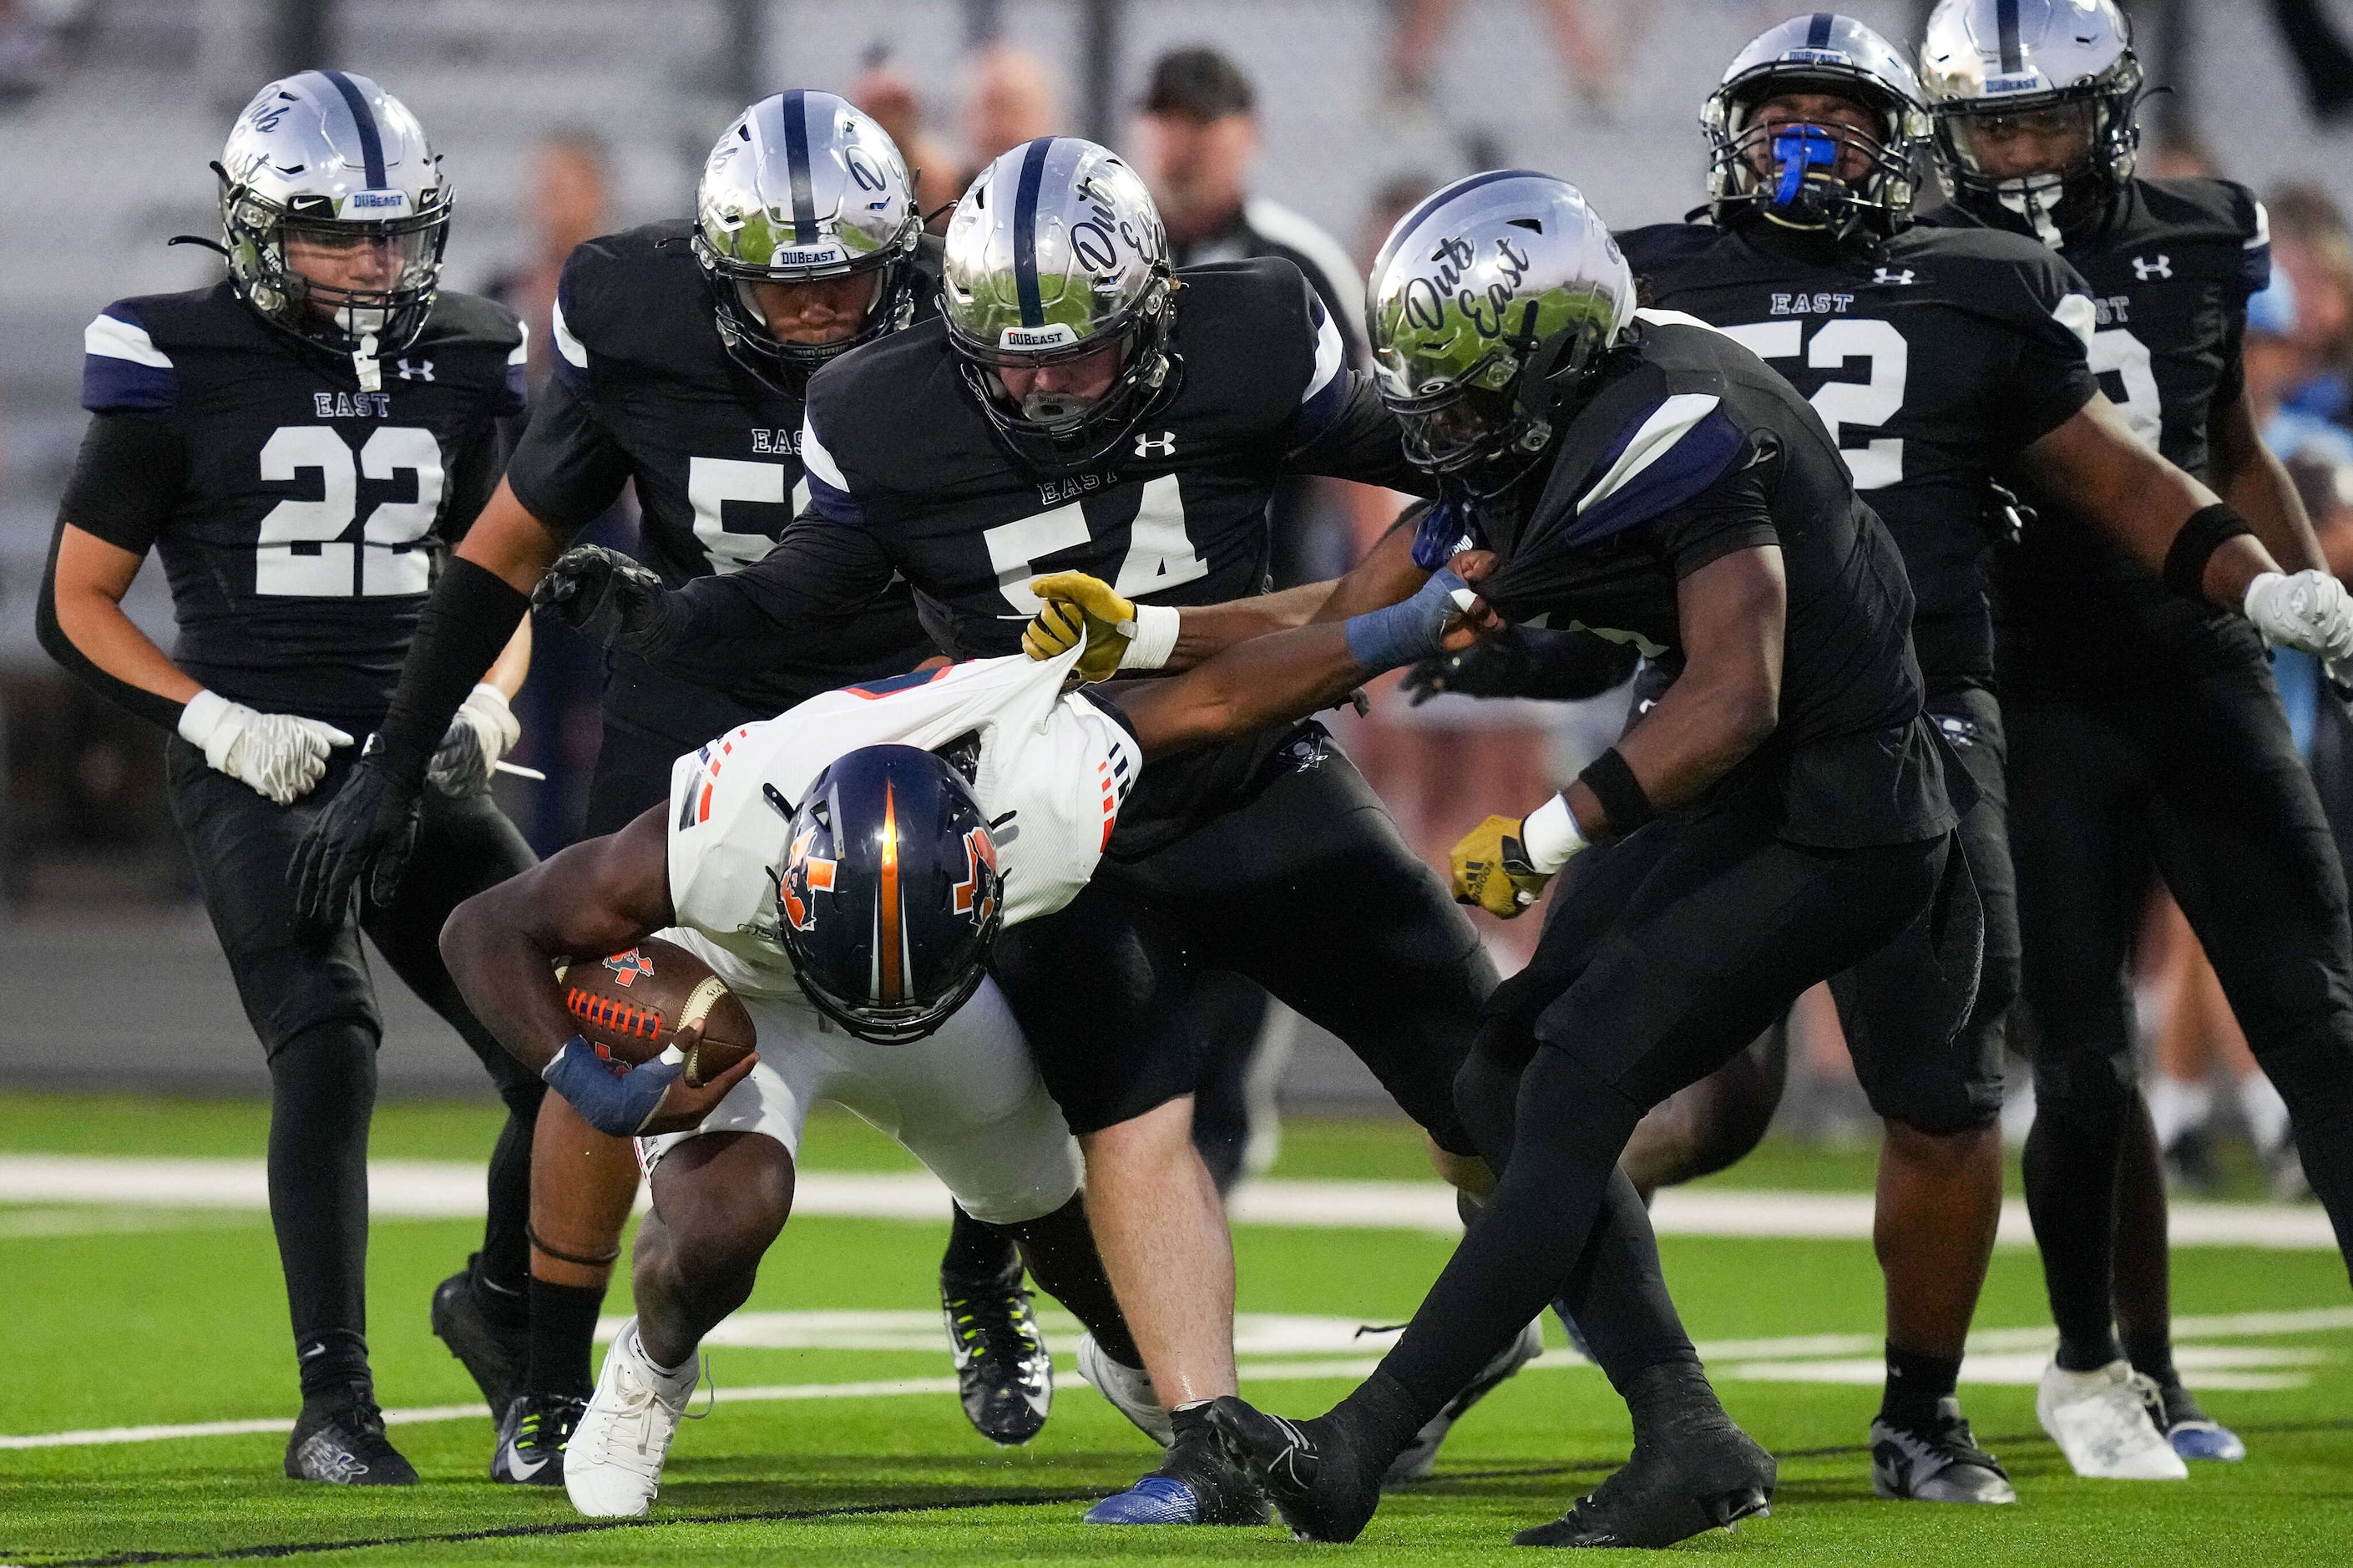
(1893, 280)
(421, 370)
(2146, 269)
(1161, 445)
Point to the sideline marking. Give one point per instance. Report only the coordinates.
(438, 1189)
(1745, 1359)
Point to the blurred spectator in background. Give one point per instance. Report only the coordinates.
(1594, 58)
(2179, 152)
(1195, 137)
(2312, 247)
(1010, 97)
(883, 93)
(571, 183)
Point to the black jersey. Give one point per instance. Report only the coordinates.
(301, 518)
(1931, 359)
(644, 391)
(2170, 273)
(1690, 450)
(907, 475)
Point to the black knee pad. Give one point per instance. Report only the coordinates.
(2313, 1071)
(2090, 1085)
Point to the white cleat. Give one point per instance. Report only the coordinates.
(1128, 1388)
(2100, 1421)
(612, 1467)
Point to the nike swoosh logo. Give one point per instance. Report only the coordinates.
(522, 1471)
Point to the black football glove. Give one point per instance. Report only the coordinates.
(368, 828)
(1525, 661)
(609, 596)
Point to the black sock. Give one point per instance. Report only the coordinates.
(332, 1361)
(563, 1337)
(976, 1254)
(1059, 1250)
(2153, 1358)
(1668, 1399)
(508, 1307)
(1915, 1383)
(2070, 1174)
(1382, 1420)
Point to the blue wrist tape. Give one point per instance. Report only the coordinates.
(613, 1097)
(1407, 631)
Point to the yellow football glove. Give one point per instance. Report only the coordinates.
(1492, 869)
(1077, 607)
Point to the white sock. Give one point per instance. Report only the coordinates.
(2265, 1111)
(667, 1374)
(2177, 1106)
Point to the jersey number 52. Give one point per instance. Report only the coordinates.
(305, 548)
(1879, 462)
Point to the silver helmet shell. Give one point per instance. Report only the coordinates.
(1983, 62)
(803, 186)
(330, 160)
(1055, 252)
(1492, 305)
(1791, 179)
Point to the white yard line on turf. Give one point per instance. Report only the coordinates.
(421, 1189)
(1835, 1361)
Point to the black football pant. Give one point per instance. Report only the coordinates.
(313, 1006)
(1308, 889)
(2203, 779)
(1680, 944)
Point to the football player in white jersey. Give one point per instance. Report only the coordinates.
(845, 868)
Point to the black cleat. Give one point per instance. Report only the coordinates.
(494, 1356)
(339, 1439)
(1202, 1481)
(1940, 1462)
(533, 1431)
(1004, 1374)
(1709, 1477)
(1310, 1470)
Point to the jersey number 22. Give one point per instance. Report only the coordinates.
(304, 550)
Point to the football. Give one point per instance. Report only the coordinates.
(629, 1003)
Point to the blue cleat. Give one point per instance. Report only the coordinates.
(2205, 1438)
(1197, 1484)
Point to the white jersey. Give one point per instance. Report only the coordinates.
(1054, 769)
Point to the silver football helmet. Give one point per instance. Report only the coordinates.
(333, 213)
(802, 187)
(1492, 305)
(2034, 104)
(1054, 253)
(1789, 174)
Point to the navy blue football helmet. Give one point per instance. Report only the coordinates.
(889, 895)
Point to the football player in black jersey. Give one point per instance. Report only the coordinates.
(1935, 356)
(1777, 817)
(1081, 407)
(302, 442)
(682, 355)
(2137, 717)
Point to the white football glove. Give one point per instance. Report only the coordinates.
(278, 755)
(483, 732)
(2309, 611)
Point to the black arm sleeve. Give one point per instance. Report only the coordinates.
(461, 632)
(1361, 442)
(138, 700)
(567, 470)
(817, 569)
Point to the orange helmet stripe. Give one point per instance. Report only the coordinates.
(892, 984)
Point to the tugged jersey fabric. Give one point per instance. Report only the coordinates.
(1931, 357)
(301, 518)
(1690, 449)
(2170, 272)
(1052, 771)
(645, 392)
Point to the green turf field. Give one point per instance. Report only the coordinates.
(128, 1315)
